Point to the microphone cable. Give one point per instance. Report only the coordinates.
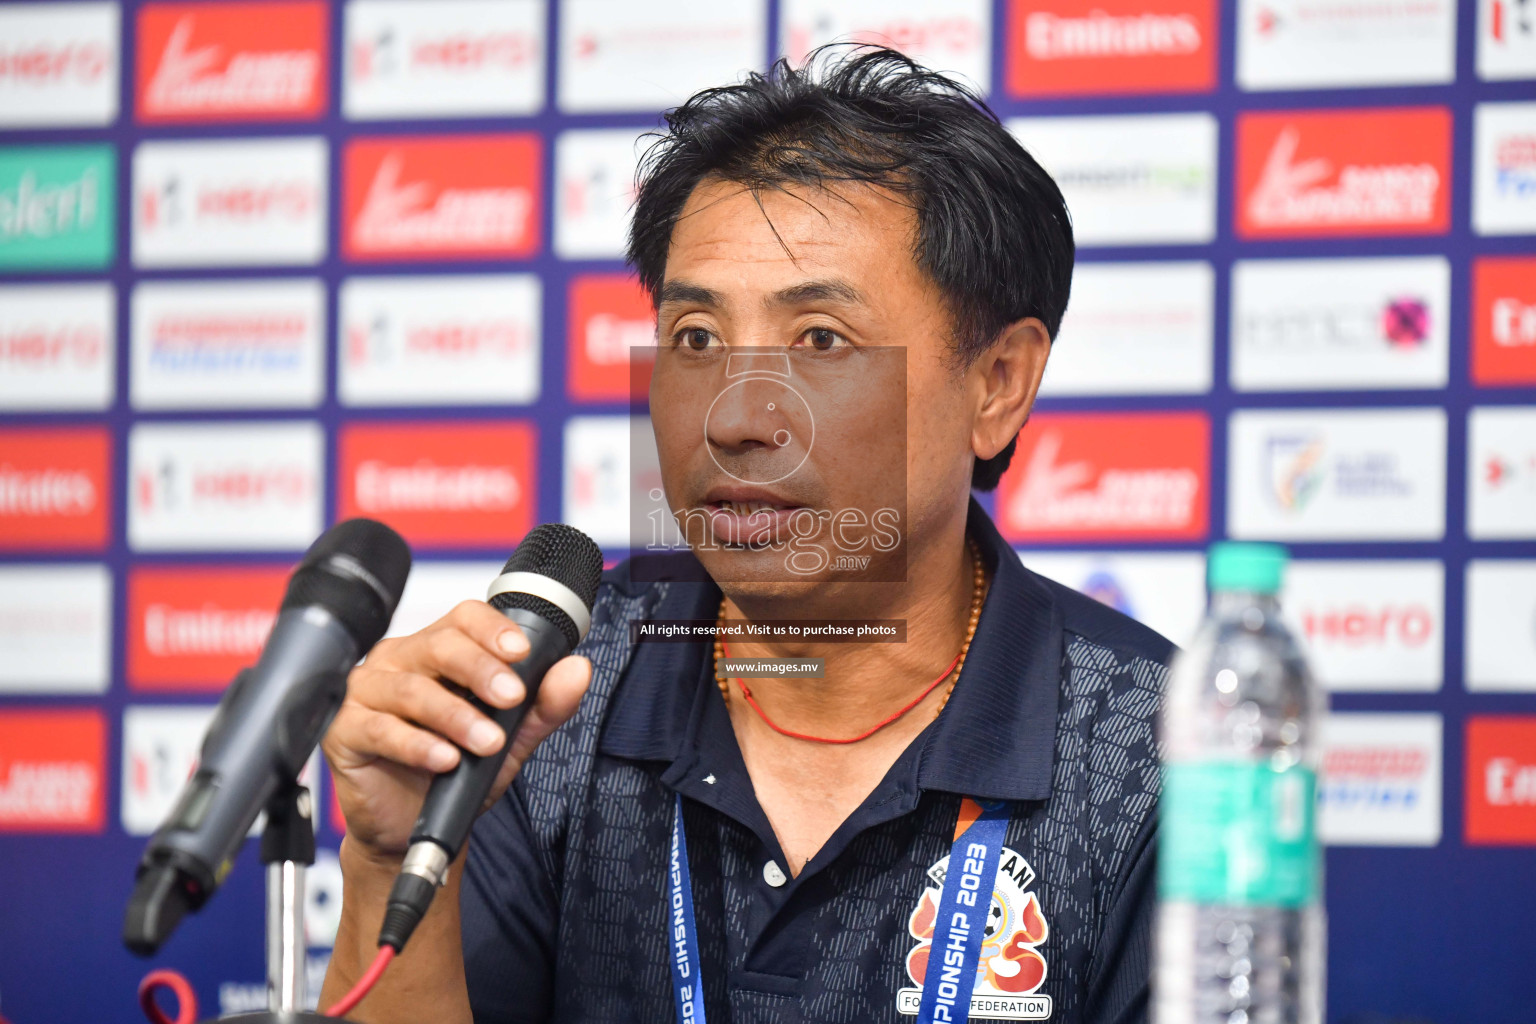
(186, 999)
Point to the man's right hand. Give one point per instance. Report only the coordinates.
(400, 724)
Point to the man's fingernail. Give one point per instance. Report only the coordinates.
(511, 642)
(485, 737)
(505, 689)
(441, 757)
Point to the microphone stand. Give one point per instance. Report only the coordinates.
(287, 848)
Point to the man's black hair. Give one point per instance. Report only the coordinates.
(993, 229)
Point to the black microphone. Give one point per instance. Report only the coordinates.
(547, 587)
(338, 604)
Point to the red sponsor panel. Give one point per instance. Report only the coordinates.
(54, 489)
(1501, 780)
(1097, 47)
(52, 771)
(453, 485)
(610, 315)
(1344, 172)
(192, 628)
(1108, 476)
(232, 61)
(1504, 320)
(442, 197)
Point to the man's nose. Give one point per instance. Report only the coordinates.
(750, 413)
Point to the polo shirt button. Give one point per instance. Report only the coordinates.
(773, 874)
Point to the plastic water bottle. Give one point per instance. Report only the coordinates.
(1240, 930)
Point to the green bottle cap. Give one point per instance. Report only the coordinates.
(1235, 565)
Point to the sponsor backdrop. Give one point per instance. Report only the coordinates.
(268, 264)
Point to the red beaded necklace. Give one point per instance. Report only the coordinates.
(952, 673)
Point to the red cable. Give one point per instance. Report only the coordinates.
(186, 999)
(852, 739)
(367, 981)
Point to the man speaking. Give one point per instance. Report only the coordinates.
(857, 275)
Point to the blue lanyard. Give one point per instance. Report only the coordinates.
(687, 980)
(957, 933)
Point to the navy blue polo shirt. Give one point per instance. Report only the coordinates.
(564, 901)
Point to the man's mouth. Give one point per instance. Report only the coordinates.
(751, 520)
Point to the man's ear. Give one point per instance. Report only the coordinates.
(1008, 377)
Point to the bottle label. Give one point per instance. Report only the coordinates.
(1238, 833)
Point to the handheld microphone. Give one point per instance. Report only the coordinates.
(338, 604)
(547, 587)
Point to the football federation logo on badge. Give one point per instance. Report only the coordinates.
(1011, 967)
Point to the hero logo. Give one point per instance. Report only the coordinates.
(442, 197)
(454, 485)
(55, 628)
(1501, 780)
(445, 58)
(1344, 172)
(253, 486)
(56, 346)
(201, 62)
(58, 64)
(53, 488)
(611, 325)
(1370, 624)
(953, 36)
(1116, 46)
(1380, 780)
(245, 202)
(1504, 325)
(460, 340)
(595, 172)
(1506, 41)
(52, 771)
(1073, 477)
(194, 628)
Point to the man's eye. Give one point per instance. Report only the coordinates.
(823, 338)
(696, 339)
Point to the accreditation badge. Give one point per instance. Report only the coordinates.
(1010, 969)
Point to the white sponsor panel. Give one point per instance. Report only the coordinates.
(950, 36)
(1316, 44)
(1135, 328)
(57, 347)
(1336, 474)
(216, 486)
(1369, 625)
(1504, 168)
(235, 202)
(1327, 325)
(602, 478)
(55, 628)
(433, 588)
(1501, 473)
(161, 747)
(462, 340)
(626, 56)
(58, 64)
(1164, 591)
(228, 344)
(595, 191)
(443, 58)
(1380, 782)
(1501, 624)
(1506, 39)
(1139, 179)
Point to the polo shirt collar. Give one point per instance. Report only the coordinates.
(995, 739)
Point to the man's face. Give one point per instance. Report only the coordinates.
(809, 421)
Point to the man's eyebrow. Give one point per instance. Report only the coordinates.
(689, 294)
(816, 291)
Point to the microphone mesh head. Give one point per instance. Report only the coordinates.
(356, 571)
(565, 555)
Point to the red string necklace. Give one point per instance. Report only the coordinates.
(952, 672)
